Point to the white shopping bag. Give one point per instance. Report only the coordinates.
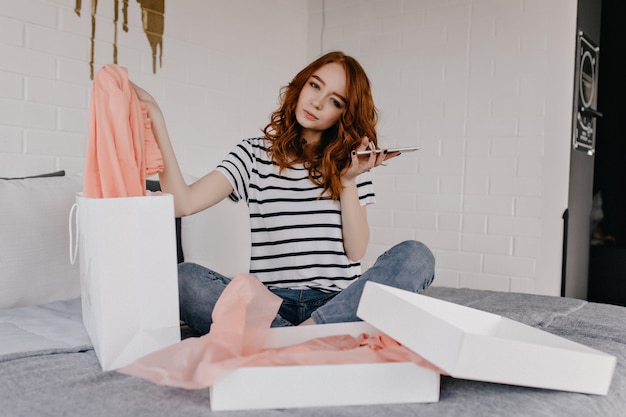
(128, 273)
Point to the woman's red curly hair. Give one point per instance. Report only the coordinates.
(327, 160)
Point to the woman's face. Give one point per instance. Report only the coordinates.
(321, 101)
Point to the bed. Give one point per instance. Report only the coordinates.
(50, 369)
(48, 366)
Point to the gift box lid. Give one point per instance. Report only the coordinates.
(471, 344)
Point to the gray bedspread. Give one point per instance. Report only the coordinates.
(69, 382)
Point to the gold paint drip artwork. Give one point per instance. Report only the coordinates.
(152, 21)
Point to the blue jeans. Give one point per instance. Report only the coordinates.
(409, 265)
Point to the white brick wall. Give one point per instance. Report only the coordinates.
(483, 86)
(222, 68)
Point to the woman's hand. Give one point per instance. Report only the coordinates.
(142, 94)
(154, 111)
(362, 163)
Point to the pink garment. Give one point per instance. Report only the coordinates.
(241, 321)
(121, 149)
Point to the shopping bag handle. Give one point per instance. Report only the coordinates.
(73, 233)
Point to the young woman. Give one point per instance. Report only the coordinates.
(307, 192)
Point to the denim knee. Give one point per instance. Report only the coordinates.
(421, 254)
(413, 261)
(409, 266)
(424, 256)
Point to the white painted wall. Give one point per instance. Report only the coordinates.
(483, 86)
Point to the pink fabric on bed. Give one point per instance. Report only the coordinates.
(241, 321)
(121, 149)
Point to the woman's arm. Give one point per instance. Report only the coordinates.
(355, 228)
(188, 199)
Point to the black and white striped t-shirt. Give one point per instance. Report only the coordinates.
(296, 234)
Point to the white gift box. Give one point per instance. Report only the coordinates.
(464, 342)
(471, 344)
(323, 385)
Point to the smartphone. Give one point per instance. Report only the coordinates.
(389, 150)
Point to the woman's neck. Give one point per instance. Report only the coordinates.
(311, 137)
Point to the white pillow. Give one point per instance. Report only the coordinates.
(34, 240)
(218, 237)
